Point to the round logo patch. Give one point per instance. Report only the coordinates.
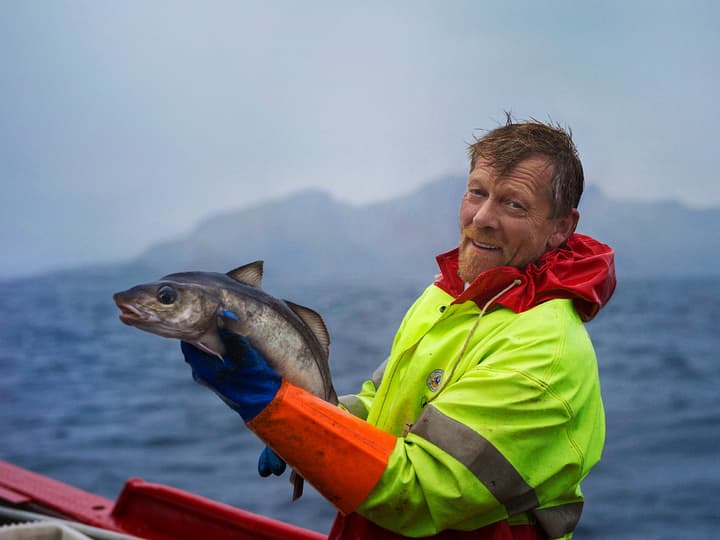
(434, 380)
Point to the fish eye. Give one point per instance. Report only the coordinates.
(166, 295)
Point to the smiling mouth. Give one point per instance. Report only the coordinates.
(484, 246)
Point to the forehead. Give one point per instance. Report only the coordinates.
(533, 173)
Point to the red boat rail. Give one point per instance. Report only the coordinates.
(152, 511)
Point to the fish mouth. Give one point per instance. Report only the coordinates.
(131, 315)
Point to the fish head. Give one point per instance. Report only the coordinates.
(169, 308)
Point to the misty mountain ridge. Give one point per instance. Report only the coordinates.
(310, 237)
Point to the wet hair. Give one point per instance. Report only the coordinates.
(506, 146)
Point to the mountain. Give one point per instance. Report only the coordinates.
(654, 239)
(311, 237)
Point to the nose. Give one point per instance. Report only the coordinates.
(484, 215)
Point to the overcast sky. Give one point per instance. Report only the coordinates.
(124, 123)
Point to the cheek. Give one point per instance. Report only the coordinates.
(466, 213)
(526, 240)
(190, 312)
(533, 240)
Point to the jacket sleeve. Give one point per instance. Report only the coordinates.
(359, 404)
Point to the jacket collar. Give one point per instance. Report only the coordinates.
(583, 270)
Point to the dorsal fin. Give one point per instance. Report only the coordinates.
(249, 274)
(314, 321)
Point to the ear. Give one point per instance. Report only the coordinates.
(563, 228)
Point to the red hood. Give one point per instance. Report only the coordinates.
(583, 270)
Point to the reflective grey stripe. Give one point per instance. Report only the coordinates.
(474, 451)
(559, 520)
(354, 406)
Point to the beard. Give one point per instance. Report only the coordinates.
(472, 262)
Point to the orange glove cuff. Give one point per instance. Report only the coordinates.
(342, 456)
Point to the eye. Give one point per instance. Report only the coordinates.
(166, 295)
(515, 205)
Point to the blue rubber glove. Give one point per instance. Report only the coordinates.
(242, 379)
(270, 463)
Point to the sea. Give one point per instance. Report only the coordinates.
(91, 402)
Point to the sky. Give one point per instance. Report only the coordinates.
(126, 123)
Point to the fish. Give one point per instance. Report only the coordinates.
(292, 338)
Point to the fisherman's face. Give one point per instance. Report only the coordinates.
(505, 220)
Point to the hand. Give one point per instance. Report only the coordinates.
(270, 463)
(242, 379)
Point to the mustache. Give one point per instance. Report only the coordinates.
(468, 234)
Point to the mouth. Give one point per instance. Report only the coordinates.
(484, 246)
(129, 314)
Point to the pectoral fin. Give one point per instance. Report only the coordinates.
(211, 344)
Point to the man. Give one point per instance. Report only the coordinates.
(487, 414)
